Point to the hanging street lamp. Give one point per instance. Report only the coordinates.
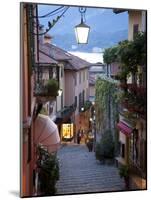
(82, 30)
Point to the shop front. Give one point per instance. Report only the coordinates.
(67, 132)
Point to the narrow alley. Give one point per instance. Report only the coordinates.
(80, 172)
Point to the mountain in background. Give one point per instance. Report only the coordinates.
(107, 28)
(97, 41)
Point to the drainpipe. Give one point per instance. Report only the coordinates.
(37, 40)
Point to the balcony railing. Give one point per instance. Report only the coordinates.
(134, 98)
(134, 88)
(46, 81)
(127, 116)
(46, 90)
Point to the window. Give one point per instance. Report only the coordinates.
(86, 76)
(83, 75)
(75, 79)
(83, 97)
(61, 72)
(80, 101)
(135, 29)
(123, 150)
(62, 101)
(50, 72)
(79, 77)
(134, 146)
(75, 101)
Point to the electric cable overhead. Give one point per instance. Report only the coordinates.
(51, 24)
(50, 13)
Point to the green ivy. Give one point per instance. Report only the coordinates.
(106, 93)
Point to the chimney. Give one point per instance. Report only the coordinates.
(47, 39)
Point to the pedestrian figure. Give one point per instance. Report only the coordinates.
(79, 136)
(90, 144)
(89, 141)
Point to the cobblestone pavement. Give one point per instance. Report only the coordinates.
(80, 172)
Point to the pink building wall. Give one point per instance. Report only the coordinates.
(114, 69)
(69, 87)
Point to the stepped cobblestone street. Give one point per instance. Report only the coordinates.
(80, 172)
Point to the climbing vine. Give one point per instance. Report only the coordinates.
(106, 103)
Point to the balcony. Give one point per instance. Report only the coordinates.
(127, 116)
(134, 107)
(46, 82)
(46, 90)
(134, 88)
(134, 99)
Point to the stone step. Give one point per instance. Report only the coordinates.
(81, 173)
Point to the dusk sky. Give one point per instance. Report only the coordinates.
(72, 17)
(107, 28)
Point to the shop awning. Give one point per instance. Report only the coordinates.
(46, 133)
(124, 128)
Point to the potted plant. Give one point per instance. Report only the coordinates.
(124, 173)
(47, 91)
(52, 87)
(105, 149)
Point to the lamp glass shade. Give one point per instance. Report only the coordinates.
(82, 33)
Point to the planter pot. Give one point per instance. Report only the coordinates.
(44, 99)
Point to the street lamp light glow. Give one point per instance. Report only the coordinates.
(82, 109)
(91, 119)
(93, 103)
(59, 92)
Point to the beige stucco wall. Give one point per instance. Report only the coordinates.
(92, 90)
(69, 88)
(61, 86)
(122, 138)
(135, 17)
(83, 85)
(73, 88)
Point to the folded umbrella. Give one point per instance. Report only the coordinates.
(46, 133)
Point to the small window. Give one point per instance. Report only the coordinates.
(75, 79)
(83, 75)
(80, 102)
(123, 150)
(75, 101)
(83, 97)
(135, 29)
(79, 77)
(61, 72)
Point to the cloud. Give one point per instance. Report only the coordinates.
(92, 14)
(97, 50)
(74, 47)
